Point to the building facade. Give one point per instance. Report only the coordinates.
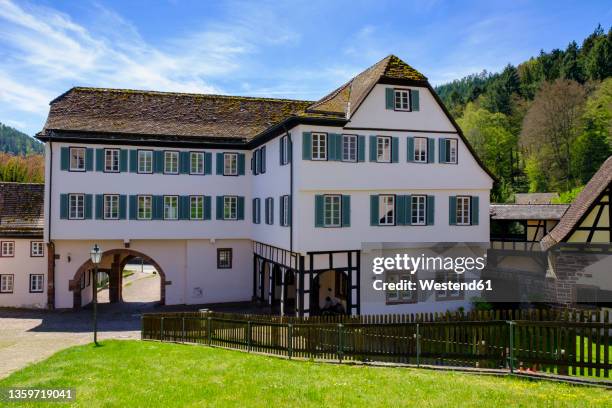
(238, 199)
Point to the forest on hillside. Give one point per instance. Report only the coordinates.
(544, 125)
(21, 158)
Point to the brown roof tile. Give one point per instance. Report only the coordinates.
(21, 209)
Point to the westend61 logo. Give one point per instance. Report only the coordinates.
(431, 264)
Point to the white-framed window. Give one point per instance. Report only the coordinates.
(230, 207)
(349, 148)
(319, 146)
(230, 164)
(6, 283)
(196, 163)
(463, 210)
(420, 149)
(386, 210)
(77, 159)
(196, 207)
(332, 207)
(450, 293)
(111, 160)
(451, 150)
(37, 249)
(383, 149)
(145, 207)
(111, 207)
(145, 161)
(170, 207)
(418, 210)
(171, 159)
(224, 258)
(76, 206)
(36, 283)
(285, 212)
(400, 296)
(8, 248)
(402, 99)
(284, 150)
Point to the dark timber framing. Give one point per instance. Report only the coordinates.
(595, 227)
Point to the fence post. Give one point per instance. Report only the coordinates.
(290, 340)
(161, 330)
(249, 327)
(141, 327)
(183, 335)
(511, 351)
(418, 345)
(340, 341)
(209, 331)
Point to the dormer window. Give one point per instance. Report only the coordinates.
(402, 99)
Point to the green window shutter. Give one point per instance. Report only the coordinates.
(65, 158)
(408, 210)
(263, 160)
(219, 164)
(410, 142)
(266, 209)
(319, 211)
(89, 159)
(414, 100)
(240, 208)
(99, 206)
(281, 211)
(207, 163)
(99, 159)
(254, 210)
(184, 207)
(281, 151)
(452, 210)
(442, 148)
(372, 148)
(360, 148)
(394, 150)
(207, 207)
(63, 205)
(431, 150)
(288, 209)
(219, 209)
(241, 164)
(158, 161)
(88, 205)
(431, 209)
(123, 160)
(332, 153)
(133, 207)
(307, 146)
(346, 210)
(401, 204)
(158, 207)
(184, 163)
(389, 98)
(374, 210)
(133, 161)
(122, 206)
(271, 211)
(337, 143)
(475, 209)
(289, 149)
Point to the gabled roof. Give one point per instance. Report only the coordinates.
(347, 98)
(21, 209)
(578, 209)
(534, 198)
(527, 211)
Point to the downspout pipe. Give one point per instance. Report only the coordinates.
(290, 188)
(50, 262)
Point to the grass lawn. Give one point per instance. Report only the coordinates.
(134, 373)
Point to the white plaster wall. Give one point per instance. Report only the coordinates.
(21, 266)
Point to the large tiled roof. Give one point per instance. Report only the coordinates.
(527, 211)
(347, 98)
(21, 209)
(598, 183)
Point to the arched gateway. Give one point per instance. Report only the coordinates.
(113, 261)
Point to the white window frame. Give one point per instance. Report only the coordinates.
(394, 297)
(464, 210)
(8, 249)
(145, 161)
(319, 146)
(196, 158)
(37, 281)
(230, 164)
(420, 149)
(80, 156)
(7, 283)
(332, 210)
(79, 204)
(449, 276)
(230, 207)
(451, 151)
(349, 148)
(111, 160)
(110, 207)
(145, 206)
(285, 204)
(418, 210)
(171, 162)
(383, 142)
(386, 203)
(171, 203)
(196, 203)
(37, 249)
(401, 100)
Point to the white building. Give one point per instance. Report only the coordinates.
(240, 198)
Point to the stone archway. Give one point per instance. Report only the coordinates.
(120, 257)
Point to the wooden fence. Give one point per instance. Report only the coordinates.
(559, 342)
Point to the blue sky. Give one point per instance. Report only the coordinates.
(293, 49)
